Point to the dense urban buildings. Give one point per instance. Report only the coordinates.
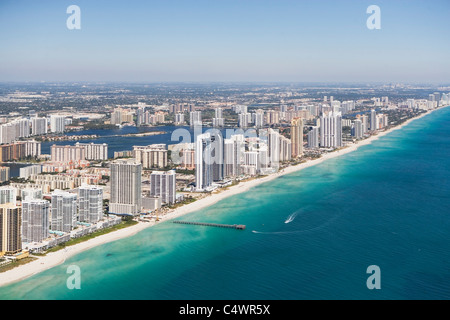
(238, 142)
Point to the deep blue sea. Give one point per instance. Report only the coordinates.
(386, 204)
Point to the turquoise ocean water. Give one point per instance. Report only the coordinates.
(310, 235)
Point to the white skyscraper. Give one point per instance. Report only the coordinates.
(64, 211)
(218, 122)
(285, 148)
(31, 194)
(273, 138)
(234, 149)
(259, 118)
(179, 118)
(126, 194)
(35, 220)
(8, 195)
(331, 130)
(195, 118)
(57, 123)
(163, 185)
(244, 119)
(203, 161)
(373, 120)
(313, 138)
(218, 112)
(90, 203)
(357, 130)
(38, 126)
(94, 151)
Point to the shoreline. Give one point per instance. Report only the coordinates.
(54, 259)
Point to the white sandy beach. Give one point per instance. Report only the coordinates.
(56, 258)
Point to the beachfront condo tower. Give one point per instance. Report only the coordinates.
(297, 137)
(203, 162)
(63, 211)
(126, 195)
(90, 203)
(35, 220)
(331, 130)
(10, 225)
(163, 185)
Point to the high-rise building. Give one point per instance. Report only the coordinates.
(217, 154)
(163, 185)
(94, 151)
(259, 118)
(116, 116)
(313, 138)
(66, 153)
(373, 120)
(218, 122)
(38, 126)
(57, 123)
(297, 137)
(244, 119)
(4, 174)
(195, 118)
(285, 148)
(273, 117)
(186, 156)
(203, 161)
(63, 211)
(151, 156)
(218, 112)
(126, 192)
(10, 228)
(26, 172)
(273, 138)
(365, 123)
(140, 116)
(252, 163)
(239, 108)
(8, 195)
(357, 130)
(31, 194)
(331, 130)
(179, 118)
(90, 203)
(35, 221)
(234, 149)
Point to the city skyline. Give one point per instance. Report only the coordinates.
(237, 41)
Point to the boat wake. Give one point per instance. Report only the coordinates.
(323, 225)
(292, 217)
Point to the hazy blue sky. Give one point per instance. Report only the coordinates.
(225, 40)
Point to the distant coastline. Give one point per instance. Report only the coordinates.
(55, 258)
